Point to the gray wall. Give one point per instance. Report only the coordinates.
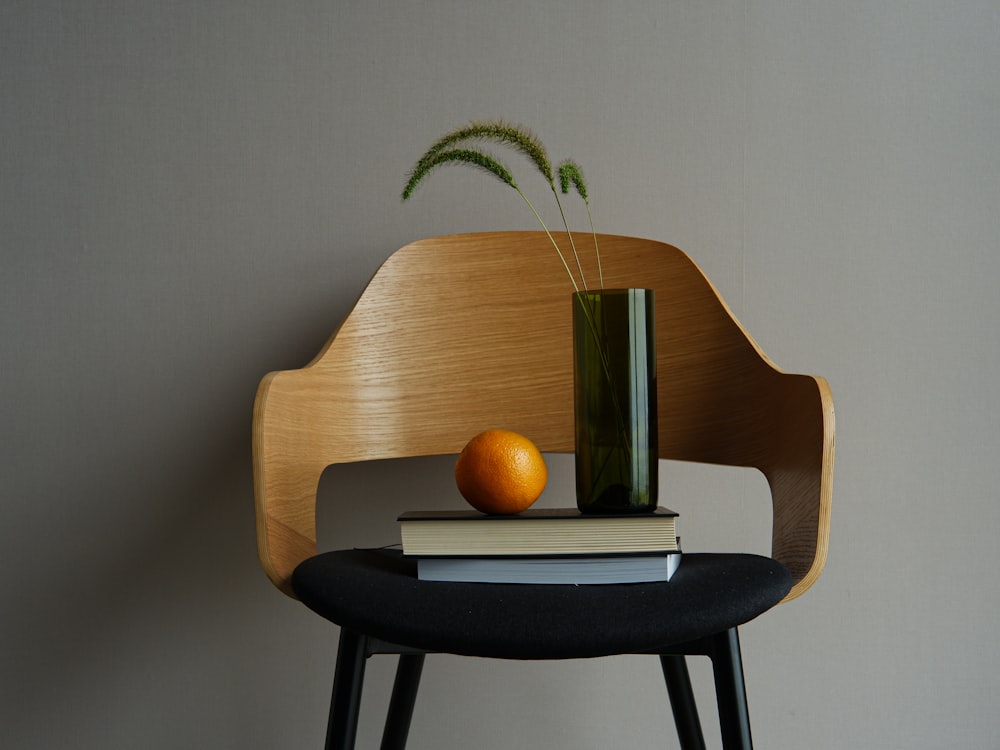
(194, 192)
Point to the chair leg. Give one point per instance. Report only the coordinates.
(404, 696)
(730, 690)
(345, 704)
(675, 672)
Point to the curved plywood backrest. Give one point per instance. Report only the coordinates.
(457, 334)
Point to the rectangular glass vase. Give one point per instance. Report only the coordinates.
(614, 351)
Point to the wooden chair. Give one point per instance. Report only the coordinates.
(457, 334)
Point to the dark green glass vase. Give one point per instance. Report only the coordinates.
(614, 351)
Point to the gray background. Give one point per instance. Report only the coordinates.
(193, 193)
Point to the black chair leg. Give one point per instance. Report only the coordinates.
(342, 728)
(675, 672)
(730, 690)
(404, 696)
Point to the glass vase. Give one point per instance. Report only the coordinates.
(614, 352)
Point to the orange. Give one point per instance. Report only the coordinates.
(500, 472)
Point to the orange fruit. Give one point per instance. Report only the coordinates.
(500, 472)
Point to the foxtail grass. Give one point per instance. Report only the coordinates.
(460, 146)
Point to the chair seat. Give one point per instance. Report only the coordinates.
(376, 592)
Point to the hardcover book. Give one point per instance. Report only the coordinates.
(577, 570)
(536, 531)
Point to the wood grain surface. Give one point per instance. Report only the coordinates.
(460, 333)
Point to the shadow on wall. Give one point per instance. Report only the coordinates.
(141, 601)
(96, 597)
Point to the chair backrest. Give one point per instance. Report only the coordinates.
(457, 334)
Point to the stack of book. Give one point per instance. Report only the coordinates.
(542, 546)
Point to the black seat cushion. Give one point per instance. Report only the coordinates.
(377, 593)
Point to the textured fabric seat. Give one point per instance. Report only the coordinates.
(457, 334)
(377, 593)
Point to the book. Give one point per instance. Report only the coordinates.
(578, 570)
(536, 531)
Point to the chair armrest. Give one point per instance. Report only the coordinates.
(800, 474)
(287, 471)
